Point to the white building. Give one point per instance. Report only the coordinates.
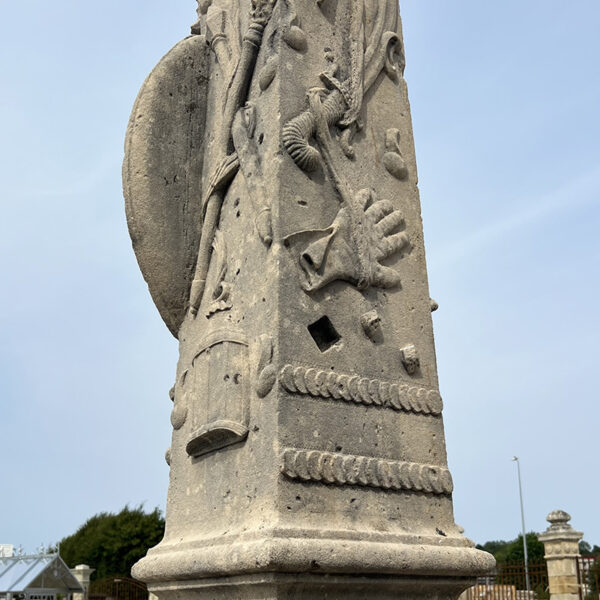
(40, 577)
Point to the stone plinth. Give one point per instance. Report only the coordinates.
(271, 189)
(312, 587)
(561, 543)
(82, 573)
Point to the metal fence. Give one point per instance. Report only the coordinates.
(118, 588)
(588, 572)
(509, 582)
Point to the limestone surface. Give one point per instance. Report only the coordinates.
(271, 192)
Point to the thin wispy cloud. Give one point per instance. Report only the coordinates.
(575, 194)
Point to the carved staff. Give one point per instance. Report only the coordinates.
(228, 166)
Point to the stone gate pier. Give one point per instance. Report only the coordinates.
(561, 543)
(271, 192)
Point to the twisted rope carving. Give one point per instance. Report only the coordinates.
(361, 390)
(346, 469)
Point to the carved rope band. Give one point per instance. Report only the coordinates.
(345, 469)
(361, 390)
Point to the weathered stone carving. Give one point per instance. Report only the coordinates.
(371, 324)
(268, 72)
(345, 469)
(266, 372)
(295, 38)
(275, 216)
(345, 249)
(293, 35)
(220, 298)
(222, 28)
(392, 159)
(163, 162)
(246, 145)
(363, 235)
(354, 246)
(410, 359)
(360, 390)
(220, 418)
(260, 14)
(179, 416)
(360, 63)
(179, 397)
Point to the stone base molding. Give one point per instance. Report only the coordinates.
(280, 586)
(326, 552)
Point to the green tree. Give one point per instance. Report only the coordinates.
(113, 543)
(584, 548)
(594, 578)
(515, 553)
(512, 551)
(494, 547)
(511, 565)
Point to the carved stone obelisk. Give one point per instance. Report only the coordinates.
(271, 192)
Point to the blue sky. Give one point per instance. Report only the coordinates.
(505, 103)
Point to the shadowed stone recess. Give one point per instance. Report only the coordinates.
(271, 194)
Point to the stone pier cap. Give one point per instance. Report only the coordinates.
(560, 530)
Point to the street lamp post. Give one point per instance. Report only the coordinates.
(516, 459)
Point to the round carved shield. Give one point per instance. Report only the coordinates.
(162, 175)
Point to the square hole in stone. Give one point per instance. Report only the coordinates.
(324, 334)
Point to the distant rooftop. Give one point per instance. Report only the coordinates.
(7, 550)
(42, 573)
